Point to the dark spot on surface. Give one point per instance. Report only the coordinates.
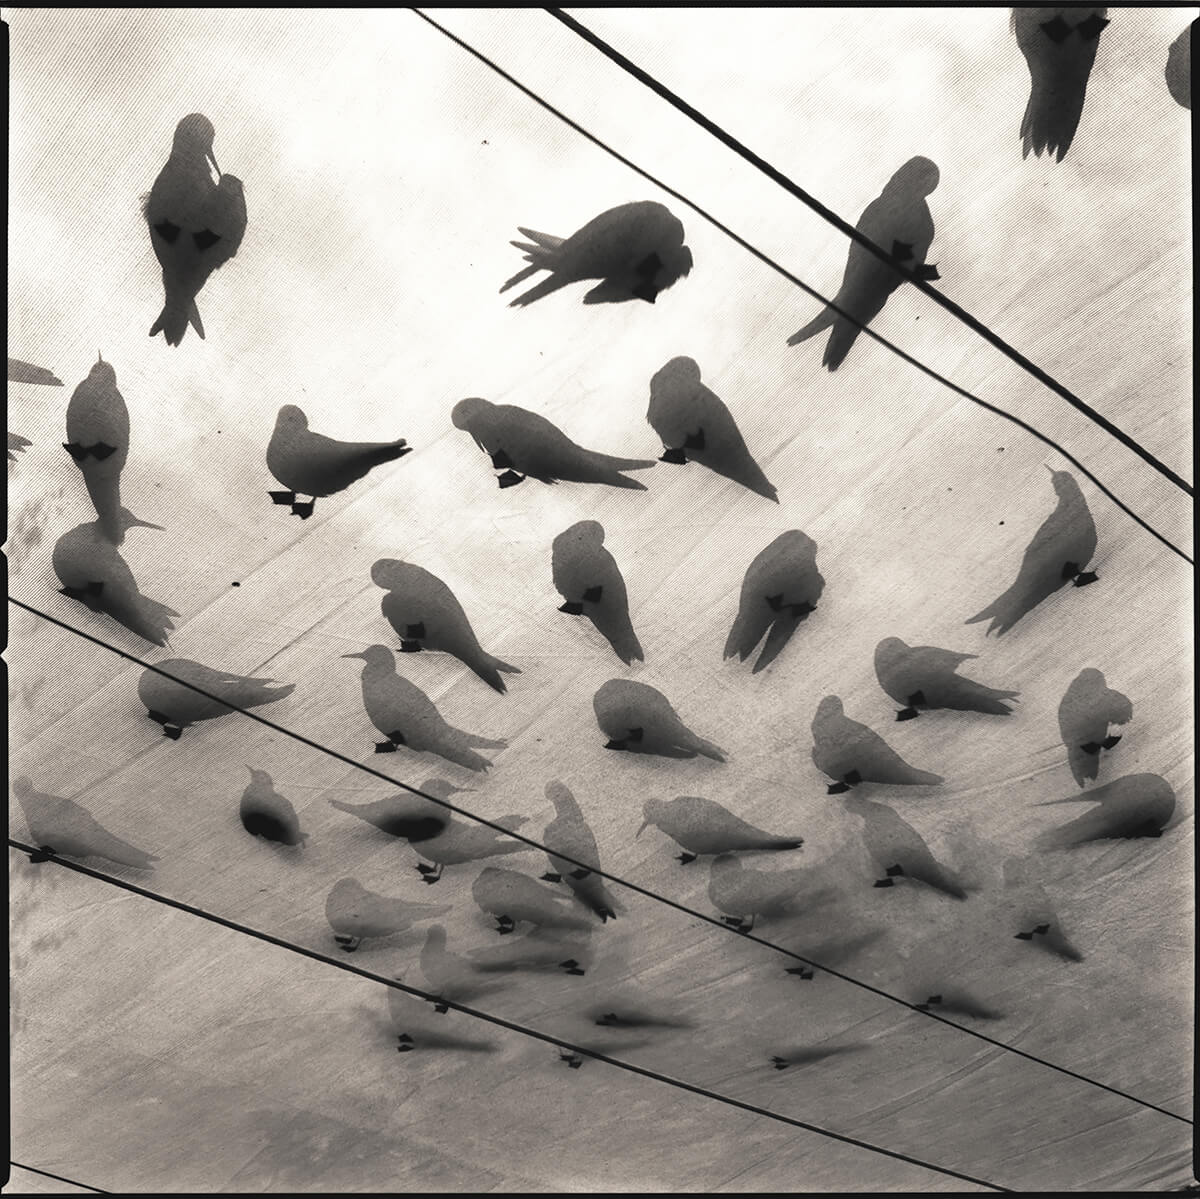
(239, 584)
(1000, 449)
(1002, 522)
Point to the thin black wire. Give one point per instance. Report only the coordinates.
(524, 1030)
(785, 273)
(857, 235)
(59, 1178)
(654, 895)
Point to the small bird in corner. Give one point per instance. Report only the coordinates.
(639, 719)
(196, 225)
(1058, 554)
(267, 814)
(635, 250)
(924, 677)
(1088, 707)
(851, 753)
(899, 223)
(1059, 45)
(309, 463)
(98, 442)
(175, 705)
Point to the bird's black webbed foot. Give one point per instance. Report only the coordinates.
(1091, 747)
(205, 239)
(801, 971)
(551, 877)
(406, 1043)
(582, 872)
(102, 450)
(282, 497)
(592, 594)
(510, 478)
(617, 745)
(895, 872)
(303, 509)
(571, 966)
(572, 608)
(42, 854)
(349, 944)
(932, 1001)
(75, 450)
(1091, 28)
(1084, 577)
(609, 1020)
(1056, 30)
(674, 456)
(167, 231)
(838, 788)
(429, 874)
(504, 925)
(606, 914)
(501, 461)
(572, 1059)
(685, 858)
(780, 1063)
(440, 1007)
(172, 730)
(909, 713)
(1109, 742)
(384, 747)
(927, 271)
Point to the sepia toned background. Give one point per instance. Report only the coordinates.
(385, 171)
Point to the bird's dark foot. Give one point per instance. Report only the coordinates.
(1109, 742)
(592, 595)
(617, 745)
(1091, 29)
(430, 874)
(551, 877)
(1085, 577)
(303, 510)
(349, 944)
(684, 858)
(733, 921)
(410, 647)
(676, 457)
(572, 1059)
(800, 971)
(582, 872)
(1056, 30)
(780, 1063)
(510, 478)
(501, 461)
(606, 914)
(384, 747)
(572, 608)
(932, 1001)
(571, 966)
(75, 450)
(406, 1043)
(100, 451)
(504, 925)
(157, 717)
(837, 788)
(895, 872)
(609, 1020)
(1092, 747)
(907, 714)
(172, 731)
(43, 854)
(885, 882)
(802, 609)
(927, 271)
(441, 1008)
(282, 497)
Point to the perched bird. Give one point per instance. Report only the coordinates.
(695, 426)
(354, 913)
(406, 716)
(808, 1055)
(639, 718)
(18, 443)
(309, 463)
(176, 706)
(1031, 914)
(416, 1030)
(26, 372)
(586, 575)
(899, 850)
(1178, 72)
(91, 570)
(1138, 805)
(780, 590)
(1059, 45)
(196, 225)
(619, 1012)
(1088, 707)
(61, 826)
(570, 834)
(923, 676)
(267, 814)
(899, 223)
(524, 445)
(538, 950)
(1060, 550)
(949, 999)
(98, 441)
(701, 827)
(426, 615)
(512, 897)
(450, 976)
(850, 753)
(635, 250)
(744, 894)
(435, 832)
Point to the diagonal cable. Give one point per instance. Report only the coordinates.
(500, 1022)
(592, 869)
(83, 1186)
(973, 323)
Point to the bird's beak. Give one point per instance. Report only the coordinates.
(99, 356)
(363, 656)
(1049, 803)
(212, 159)
(640, 831)
(137, 523)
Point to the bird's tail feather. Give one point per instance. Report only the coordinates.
(544, 288)
(172, 323)
(822, 321)
(841, 340)
(519, 276)
(546, 240)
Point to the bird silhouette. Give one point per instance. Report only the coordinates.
(91, 570)
(586, 575)
(851, 753)
(1178, 72)
(899, 223)
(695, 426)
(524, 445)
(417, 1030)
(406, 716)
(267, 814)
(18, 444)
(899, 850)
(701, 826)
(570, 834)
(1087, 709)
(26, 372)
(61, 826)
(449, 975)
(745, 894)
(426, 616)
(309, 463)
(98, 442)
(639, 718)
(1029, 913)
(780, 592)
(176, 706)
(1060, 550)
(355, 913)
(513, 898)
(1059, 45)
(923, 677)
(196, 225)
(635, 250)
(1138, 805)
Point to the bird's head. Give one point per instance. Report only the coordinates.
(678, 373)
(259, 776)
(195, 135)
(291, 417)
(586, 532)
(653, 810)
(888, 650)
(1064, 482)
(102, 372)
(559, 794)
(386, 572)
(466, 412)
(917, 177)
(677, 264)
(375, 655)
(441, 789)
(828, 708)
